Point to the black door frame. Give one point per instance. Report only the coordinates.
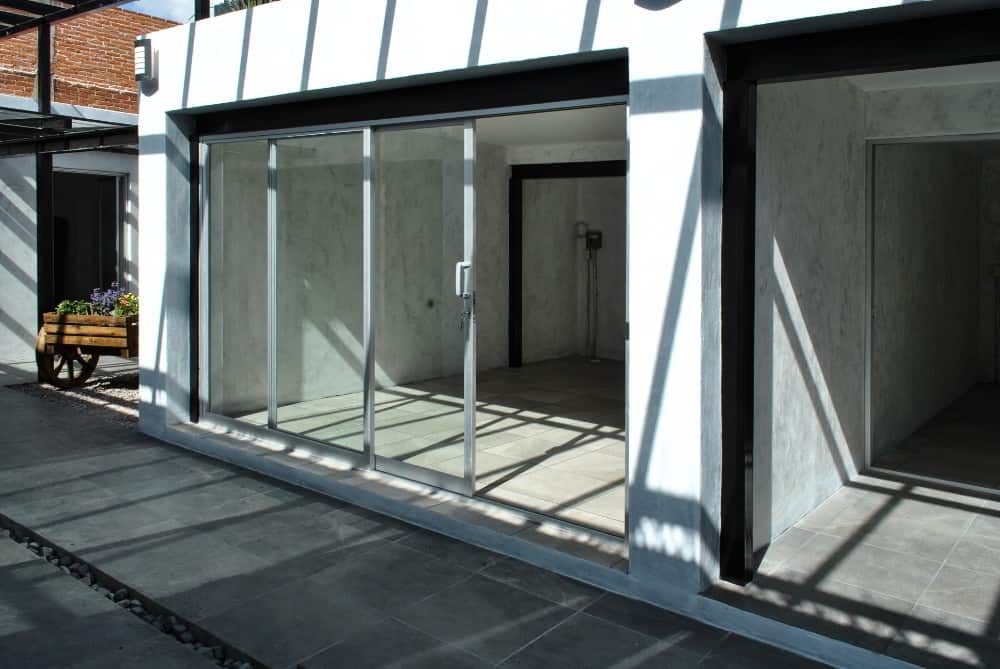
(515, 214)
(883, 40)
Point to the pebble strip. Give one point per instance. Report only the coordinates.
(168, 622)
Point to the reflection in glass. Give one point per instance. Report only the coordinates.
(320, 281)
(238, 281)
(419, 416)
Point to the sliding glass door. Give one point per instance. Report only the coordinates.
(318, 320)
(339, 294)
(425, 309)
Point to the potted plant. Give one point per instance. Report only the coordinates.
(78, 332)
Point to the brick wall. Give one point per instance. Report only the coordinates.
(91, 59)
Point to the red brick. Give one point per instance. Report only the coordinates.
(91, 59)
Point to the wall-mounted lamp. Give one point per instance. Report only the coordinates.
(143, 59)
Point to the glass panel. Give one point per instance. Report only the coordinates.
(550, 432)
(419, 399)
(320, 282)
(238, 281)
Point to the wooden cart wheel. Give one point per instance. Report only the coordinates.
(66, 367)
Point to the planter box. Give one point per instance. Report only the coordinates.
(112, 336)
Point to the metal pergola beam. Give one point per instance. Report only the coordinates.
(21, 22)
(39, 8)
(84, 140)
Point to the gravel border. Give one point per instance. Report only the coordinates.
(117, 395)
(163, 619)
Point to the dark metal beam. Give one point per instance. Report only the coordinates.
(62, 13)
(202, 9)
(937, 41)
(739, 150)
(39, 8)
(44, 234)
(13, 18)
(85, 140)
(43, 77)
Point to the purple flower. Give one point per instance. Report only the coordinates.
(104, 301)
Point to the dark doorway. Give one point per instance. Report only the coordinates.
(87, 222)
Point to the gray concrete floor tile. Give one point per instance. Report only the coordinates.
(543, 583)
(392, 643)
(161, 653)
(743, 653)
(856, 615)
(485, 617)
(937, 639)
(684, 634)
(389, 577)
(459, 553)
(784, 547)
(584, 642)
(965, 593)
(847, 560)
(291, 623)
(49, 619)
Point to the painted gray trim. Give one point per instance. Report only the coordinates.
(469, 244)
(368, 300)
(271, 272)
(434, 119)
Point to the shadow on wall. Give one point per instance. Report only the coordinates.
(18, 242)
(671, 537)
(683, 531)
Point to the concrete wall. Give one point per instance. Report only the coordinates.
(554, 300)
(492, 256)
(925, 284)
(933, 110)
(238, 278)
(810, 328)
(18, 262)
(320, 284)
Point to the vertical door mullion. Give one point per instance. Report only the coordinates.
(272, 287)
(469, 225)
(369, 299)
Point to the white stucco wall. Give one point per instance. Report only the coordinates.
(18, 262)
(673, 203)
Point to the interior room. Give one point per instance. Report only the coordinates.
(543, 318)
(877, 416)
(935, 266)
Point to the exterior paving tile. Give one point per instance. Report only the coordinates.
(484, 617)
(393, 644)
(684, 634)
(543, 583)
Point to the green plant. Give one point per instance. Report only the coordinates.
(237, 5)
(128, 305)
(74, 307)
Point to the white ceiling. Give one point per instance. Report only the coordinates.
(978, 73)
(566, 126)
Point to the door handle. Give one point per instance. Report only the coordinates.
(461, 276)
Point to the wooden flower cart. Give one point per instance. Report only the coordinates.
(69, 346)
